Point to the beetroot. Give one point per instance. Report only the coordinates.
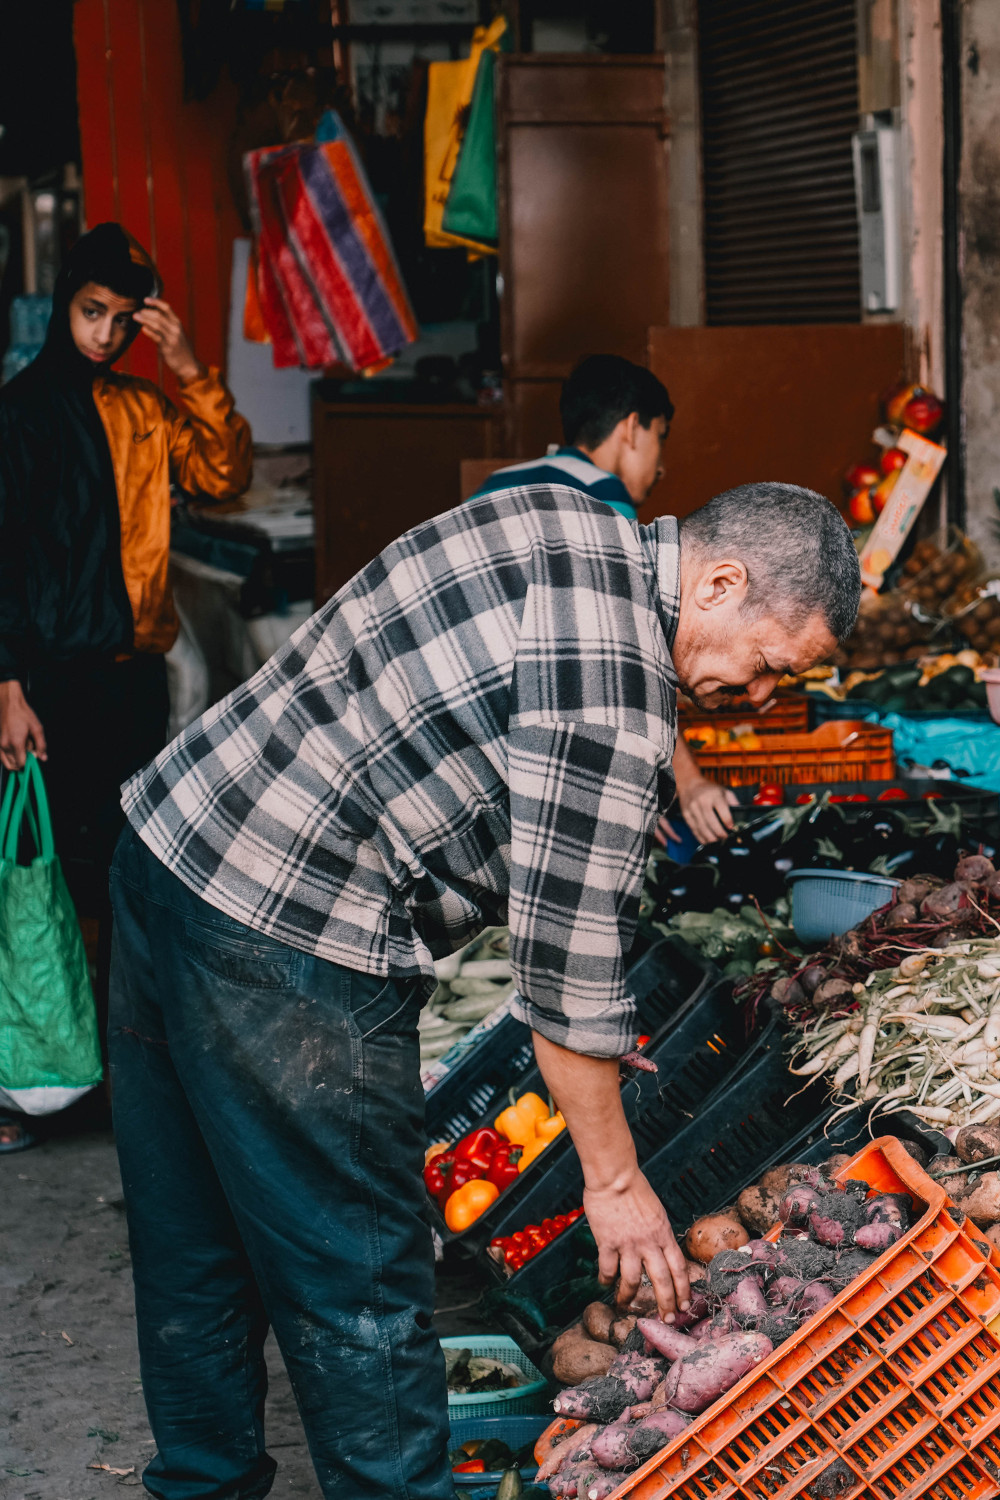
(700, 1378)
(974, 867)
(653, 1433)
(946, 902)
(798, 1203)
(665, 1338)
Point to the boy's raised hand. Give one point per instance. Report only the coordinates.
(160, 323)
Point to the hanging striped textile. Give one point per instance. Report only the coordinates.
(329, 288)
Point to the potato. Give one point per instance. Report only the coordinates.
(834, 1163)
(576, 1356)
(715, 1232)
(777, 1180)
(976, 1142)
(598, 1320)
(993, 1235)
(982, 1202)
(758, 1210)
(621, 1328)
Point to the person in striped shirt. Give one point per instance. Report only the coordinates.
(616, 418)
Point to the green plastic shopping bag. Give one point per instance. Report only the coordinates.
(49, 1048)
(471, 209)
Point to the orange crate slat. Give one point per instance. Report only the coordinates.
(785, 716)
(897, 1382)
(841, 750)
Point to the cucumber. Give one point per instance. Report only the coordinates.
(510, 1485)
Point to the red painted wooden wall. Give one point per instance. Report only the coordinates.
(157, 163)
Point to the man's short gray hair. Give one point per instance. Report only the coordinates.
(795, 546)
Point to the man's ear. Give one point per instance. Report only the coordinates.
(721, 583)
(631, 429)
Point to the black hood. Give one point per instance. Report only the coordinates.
(108, 256)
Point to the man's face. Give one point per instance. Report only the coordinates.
(641, 462)
(719, 654)
(99, 321)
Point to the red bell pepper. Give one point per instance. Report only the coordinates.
(461, 1173)
(503, 1165)
(471, 1466)
(892, 794)
(478, 1147)
(437, 1171)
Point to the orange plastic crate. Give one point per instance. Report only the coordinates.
(891, 1392)
(841, 750)
(788, 715)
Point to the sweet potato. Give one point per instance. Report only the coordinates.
(850, 1264)
(833, 1164)
(720, 1327)
(728, 1268)
(554, 1435)
(644, 1301)
(605, 1484)
(977, 1142)
(993, 1236)
(653, 1433)
(715, 1232)
(779, 1325)
(577, 1357)
(560, 1451)
(598, 1320)
(610, 1446)
(665, 1338)
(601, 1400)
(758, 1209)
(700, 1378)
(834, 1219)
(815, 1295)
(784, 1289)
(746, 1301)
(982, 1201)
(802, 1258)
(639, 1373)
(878, 1237)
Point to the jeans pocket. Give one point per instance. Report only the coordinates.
(241, 956)
(381, 1006)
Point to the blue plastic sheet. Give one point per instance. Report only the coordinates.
(968, 745)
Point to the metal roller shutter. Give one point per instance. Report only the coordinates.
(779, 85)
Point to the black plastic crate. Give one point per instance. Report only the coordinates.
(746, 1126)
(668, 982)
(475, 1090)
(700, 1054)
(977, 804)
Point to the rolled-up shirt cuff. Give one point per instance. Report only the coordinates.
(609, 1033)
(11, 663)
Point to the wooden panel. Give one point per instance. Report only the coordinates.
(157, 163)
(380, 470)
(532, 415)
(472, 472)
(583, 209)
(791, 403)
(542, 87)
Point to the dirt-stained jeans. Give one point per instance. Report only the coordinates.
(269, 1120)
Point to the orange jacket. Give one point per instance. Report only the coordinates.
(206, 449)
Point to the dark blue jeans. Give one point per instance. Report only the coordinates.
(269, 1120)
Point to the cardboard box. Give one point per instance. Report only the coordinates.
(916, 477)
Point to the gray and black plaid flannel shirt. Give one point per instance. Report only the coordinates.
(479, 727)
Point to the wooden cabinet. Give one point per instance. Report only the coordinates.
(380, 469)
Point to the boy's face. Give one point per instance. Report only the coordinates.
(641, 460)
(100, 322)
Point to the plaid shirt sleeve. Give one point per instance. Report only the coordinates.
(581, 804)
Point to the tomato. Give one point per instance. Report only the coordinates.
(892, 794)
(932, 796)
(769, 794)
(858, 797)
(804, 797)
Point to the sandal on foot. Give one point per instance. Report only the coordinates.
(18, 1136)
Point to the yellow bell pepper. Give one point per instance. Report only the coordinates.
(546, 1131)
(517, 1123)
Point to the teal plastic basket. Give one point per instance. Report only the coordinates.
(515, 1431)
(826, 903)
(523, 1398)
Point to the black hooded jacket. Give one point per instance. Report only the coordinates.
(62, 591)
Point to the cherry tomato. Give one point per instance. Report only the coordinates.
(858, 797)
(769, 794)
(805, 797)
(892, 794)
(932, 796)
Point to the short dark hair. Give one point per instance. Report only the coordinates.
(602, 391)
(796, 548)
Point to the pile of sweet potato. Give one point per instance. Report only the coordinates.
(644, 1380)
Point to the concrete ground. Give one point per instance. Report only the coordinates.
(72, 1420)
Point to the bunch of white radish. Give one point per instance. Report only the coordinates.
(925, 1036)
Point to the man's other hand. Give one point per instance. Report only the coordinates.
(20, 728)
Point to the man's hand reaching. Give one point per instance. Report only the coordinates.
(20, 728)
(633, 1235)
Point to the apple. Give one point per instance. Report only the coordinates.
(896, 399)
(860, 507)
(859, 477)
(892, 459)
(923, 413)
(883, 490)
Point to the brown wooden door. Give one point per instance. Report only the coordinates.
(584, 243)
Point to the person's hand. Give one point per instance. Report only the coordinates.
(160, 323)
(633, 1234)
(705, 808)
(20, 728)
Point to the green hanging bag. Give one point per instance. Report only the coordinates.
(471, 209)
(49, 1048)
